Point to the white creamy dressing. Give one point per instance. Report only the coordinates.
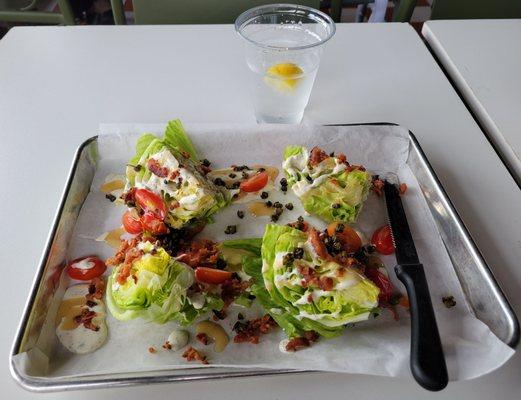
(82, 340)
(178, 339)
(322, 317)
(282, 346)
(84, 264)
(299, 164)
(197, 300)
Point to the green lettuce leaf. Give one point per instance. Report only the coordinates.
(176, 138)
(252, 245)
(141, 145)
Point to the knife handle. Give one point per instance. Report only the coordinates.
(427, 359)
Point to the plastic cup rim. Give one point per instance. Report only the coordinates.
(243, 20)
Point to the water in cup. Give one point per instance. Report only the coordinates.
(283, 48)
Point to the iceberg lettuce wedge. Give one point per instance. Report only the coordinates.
(328, 187)
(156, 290)
(169, 167)
(298, 307)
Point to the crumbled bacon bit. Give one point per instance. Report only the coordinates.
(310, 298)
(308, 274)
(85, 319)
(203, 338)
(119, 257)
(174, 174)
(167, 345)
(126, 255)
(96, 288)
(402, 188)
(342, 159)
(250, 331)
(232, 288)
(378, 186)
(152, 350)
(302, 342)
(317, 155)
(129, 197)
(192, 354)
(185, 154)
(174, 205)
(326, 283)
(200, 253)
(157, 169)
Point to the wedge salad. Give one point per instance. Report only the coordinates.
(312, 283)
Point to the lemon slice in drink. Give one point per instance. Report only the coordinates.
(283, 77)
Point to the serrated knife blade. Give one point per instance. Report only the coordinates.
(401, 234)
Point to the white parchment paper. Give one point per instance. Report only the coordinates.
(379, 346)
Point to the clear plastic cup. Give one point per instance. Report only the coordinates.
(283, 45)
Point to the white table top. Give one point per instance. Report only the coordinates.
(483, 59)
(58, 83)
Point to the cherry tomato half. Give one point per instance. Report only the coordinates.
(347, 236)
(383, 241)
(255, 183)
(86, 268)
(151, 202)
(383, 283)
(211, 275)
(131, 222)
(152, 224)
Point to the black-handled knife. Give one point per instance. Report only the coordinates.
(427, 359)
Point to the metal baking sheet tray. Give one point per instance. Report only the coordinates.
(483, 292)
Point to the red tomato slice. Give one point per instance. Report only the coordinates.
(383, 283)
(348, 237)
(255, 183)
(86, 268)
(383, 241)
(151, 202)
(211, 275)
(153, 225)
(131, 222)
